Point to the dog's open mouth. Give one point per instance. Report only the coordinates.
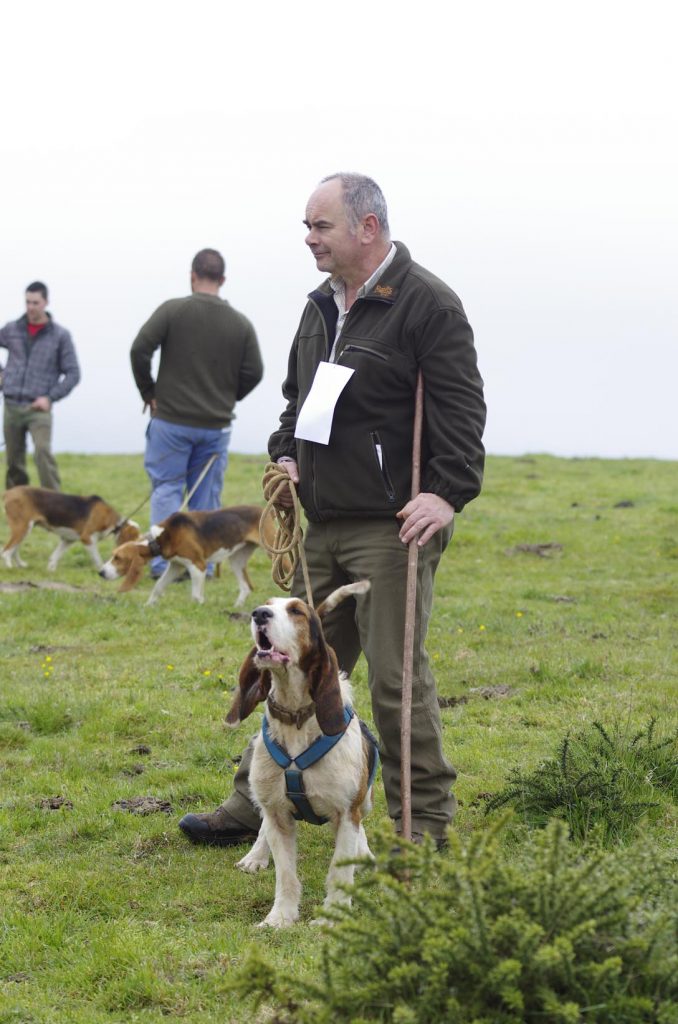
(267, 652)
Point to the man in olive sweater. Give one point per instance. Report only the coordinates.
(383, 317)
(209, 360)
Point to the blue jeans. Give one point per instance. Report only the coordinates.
(175, 457)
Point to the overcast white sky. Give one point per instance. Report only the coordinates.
(527, 151)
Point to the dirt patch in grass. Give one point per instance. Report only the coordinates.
(143, 805)
(17, 586)
(491, 692)
(542, 550)
(55, 803)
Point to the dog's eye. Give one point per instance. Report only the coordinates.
(295, 611)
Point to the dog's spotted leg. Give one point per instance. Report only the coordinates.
(58, 554)
(93, 552)
(171, 572)
(258, 856)
(238, 562)
(281, 835)
(10, 557)
(347, 848)
(197, 582)
(363, 849)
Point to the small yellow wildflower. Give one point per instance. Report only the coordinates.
(207, 672)
(481, 628)
(169, 667)
(519, 615)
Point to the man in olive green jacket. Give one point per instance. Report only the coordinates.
(385, 318)
(209, 360)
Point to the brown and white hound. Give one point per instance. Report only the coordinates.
(189, 540)
(308, 702)
(71, 516)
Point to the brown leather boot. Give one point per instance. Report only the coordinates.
(219, 828)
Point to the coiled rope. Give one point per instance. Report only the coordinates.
(287, 550)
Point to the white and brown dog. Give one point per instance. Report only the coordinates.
(188, 541)
(313, 759)
(70, 516)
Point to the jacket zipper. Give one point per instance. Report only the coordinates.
(381, 462)
(362, 348)
(312, 448)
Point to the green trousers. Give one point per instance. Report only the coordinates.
(20, 420)
(343, 551)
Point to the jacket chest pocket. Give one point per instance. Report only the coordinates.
(362, 350)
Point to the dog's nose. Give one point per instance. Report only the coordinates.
(261, 615)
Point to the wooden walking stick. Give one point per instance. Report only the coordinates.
(410, 614)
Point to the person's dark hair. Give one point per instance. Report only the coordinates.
(362, 195)
(38, 286)
(209, 264)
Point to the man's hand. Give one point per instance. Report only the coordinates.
(424, 516)
(42, 404)
(284, 499)
(152, 405)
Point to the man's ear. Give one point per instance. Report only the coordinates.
(254, 685)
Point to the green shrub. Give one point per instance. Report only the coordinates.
(600, 781)
(481, 937)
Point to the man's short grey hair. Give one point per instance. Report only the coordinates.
(362, 195)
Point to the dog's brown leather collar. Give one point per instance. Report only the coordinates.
(297, 717)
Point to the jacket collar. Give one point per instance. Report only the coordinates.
(389, 284)
(23, 321)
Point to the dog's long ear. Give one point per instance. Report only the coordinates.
(253, 687)
(135, 569)
(323, 672)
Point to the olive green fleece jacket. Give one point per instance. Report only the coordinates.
(409, 320)
(209, 360)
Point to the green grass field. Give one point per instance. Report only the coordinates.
(109, 915)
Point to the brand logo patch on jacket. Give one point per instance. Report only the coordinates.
(384, 291)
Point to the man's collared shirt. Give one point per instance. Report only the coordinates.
(339, 289)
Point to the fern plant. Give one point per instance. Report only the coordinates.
(599, 781)
(477, 937)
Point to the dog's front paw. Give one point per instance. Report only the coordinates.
(279, 919)
(252, 863)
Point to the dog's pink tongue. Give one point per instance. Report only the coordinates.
(273, 655)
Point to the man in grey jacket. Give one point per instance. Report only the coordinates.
(41, 369)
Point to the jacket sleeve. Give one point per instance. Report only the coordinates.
(149, 338)
(251, 366)
(69, 370)
(454, 408)
(282, 441)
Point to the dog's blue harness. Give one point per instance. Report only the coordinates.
(294, 780)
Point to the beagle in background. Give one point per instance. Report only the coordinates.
(70, 516)
(313, 759)
(189, 540)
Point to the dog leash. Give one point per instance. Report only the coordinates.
(203, 473)
(185, 502)
(287, 550)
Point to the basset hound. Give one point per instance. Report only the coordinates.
(188, 541)
(313, 758)
(70, 516)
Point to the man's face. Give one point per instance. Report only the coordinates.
(35, 307)
(337, 250)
